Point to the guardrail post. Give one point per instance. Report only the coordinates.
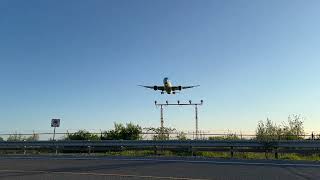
(155, 150)
(89, 150)
(24, 150)
(266, 153)
(56, 150)
(231, 151)
(276, 155)
(191, 150)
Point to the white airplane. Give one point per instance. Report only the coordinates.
(167, 87)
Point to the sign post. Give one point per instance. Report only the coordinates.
(55, 123)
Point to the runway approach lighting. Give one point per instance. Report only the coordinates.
(168, 87)
(161, 105)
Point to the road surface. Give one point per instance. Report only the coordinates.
(79, 167)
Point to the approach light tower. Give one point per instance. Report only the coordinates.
(180, 104)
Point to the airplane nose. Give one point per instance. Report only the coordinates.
(165, 80)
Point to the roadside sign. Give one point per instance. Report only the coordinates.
(55, 122)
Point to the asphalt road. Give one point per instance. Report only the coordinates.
(78, 168)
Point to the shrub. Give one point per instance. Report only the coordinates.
(82, 135)
(121, 132)
(293, 130)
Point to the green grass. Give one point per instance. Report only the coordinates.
(237, 155)
(226, 155)
(213, 154)
(293, 156)
(208, 154)
(131, 153)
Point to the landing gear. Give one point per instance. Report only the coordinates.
(162, 92)
(173, 92)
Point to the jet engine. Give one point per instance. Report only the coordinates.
(179, 88)
(155, 88)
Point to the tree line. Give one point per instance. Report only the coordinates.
(120, 132)
(267, 130)
(19, 137)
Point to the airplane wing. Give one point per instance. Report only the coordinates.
(187, 87)
(161, 88)
(174, 88)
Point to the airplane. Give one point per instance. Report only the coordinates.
(167, 87)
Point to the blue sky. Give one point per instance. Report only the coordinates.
(81, 61)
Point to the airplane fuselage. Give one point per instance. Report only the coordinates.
(167, 85)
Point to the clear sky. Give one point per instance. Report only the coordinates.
(82, 60)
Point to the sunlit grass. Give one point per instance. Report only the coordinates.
(294, 156)
(225, 155)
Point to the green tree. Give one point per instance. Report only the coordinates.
(268, 130)
(121, 132)
(292, 130)
(1, 139)
(82, 135)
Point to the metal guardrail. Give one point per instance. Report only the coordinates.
(142, 143)
(300, 146)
